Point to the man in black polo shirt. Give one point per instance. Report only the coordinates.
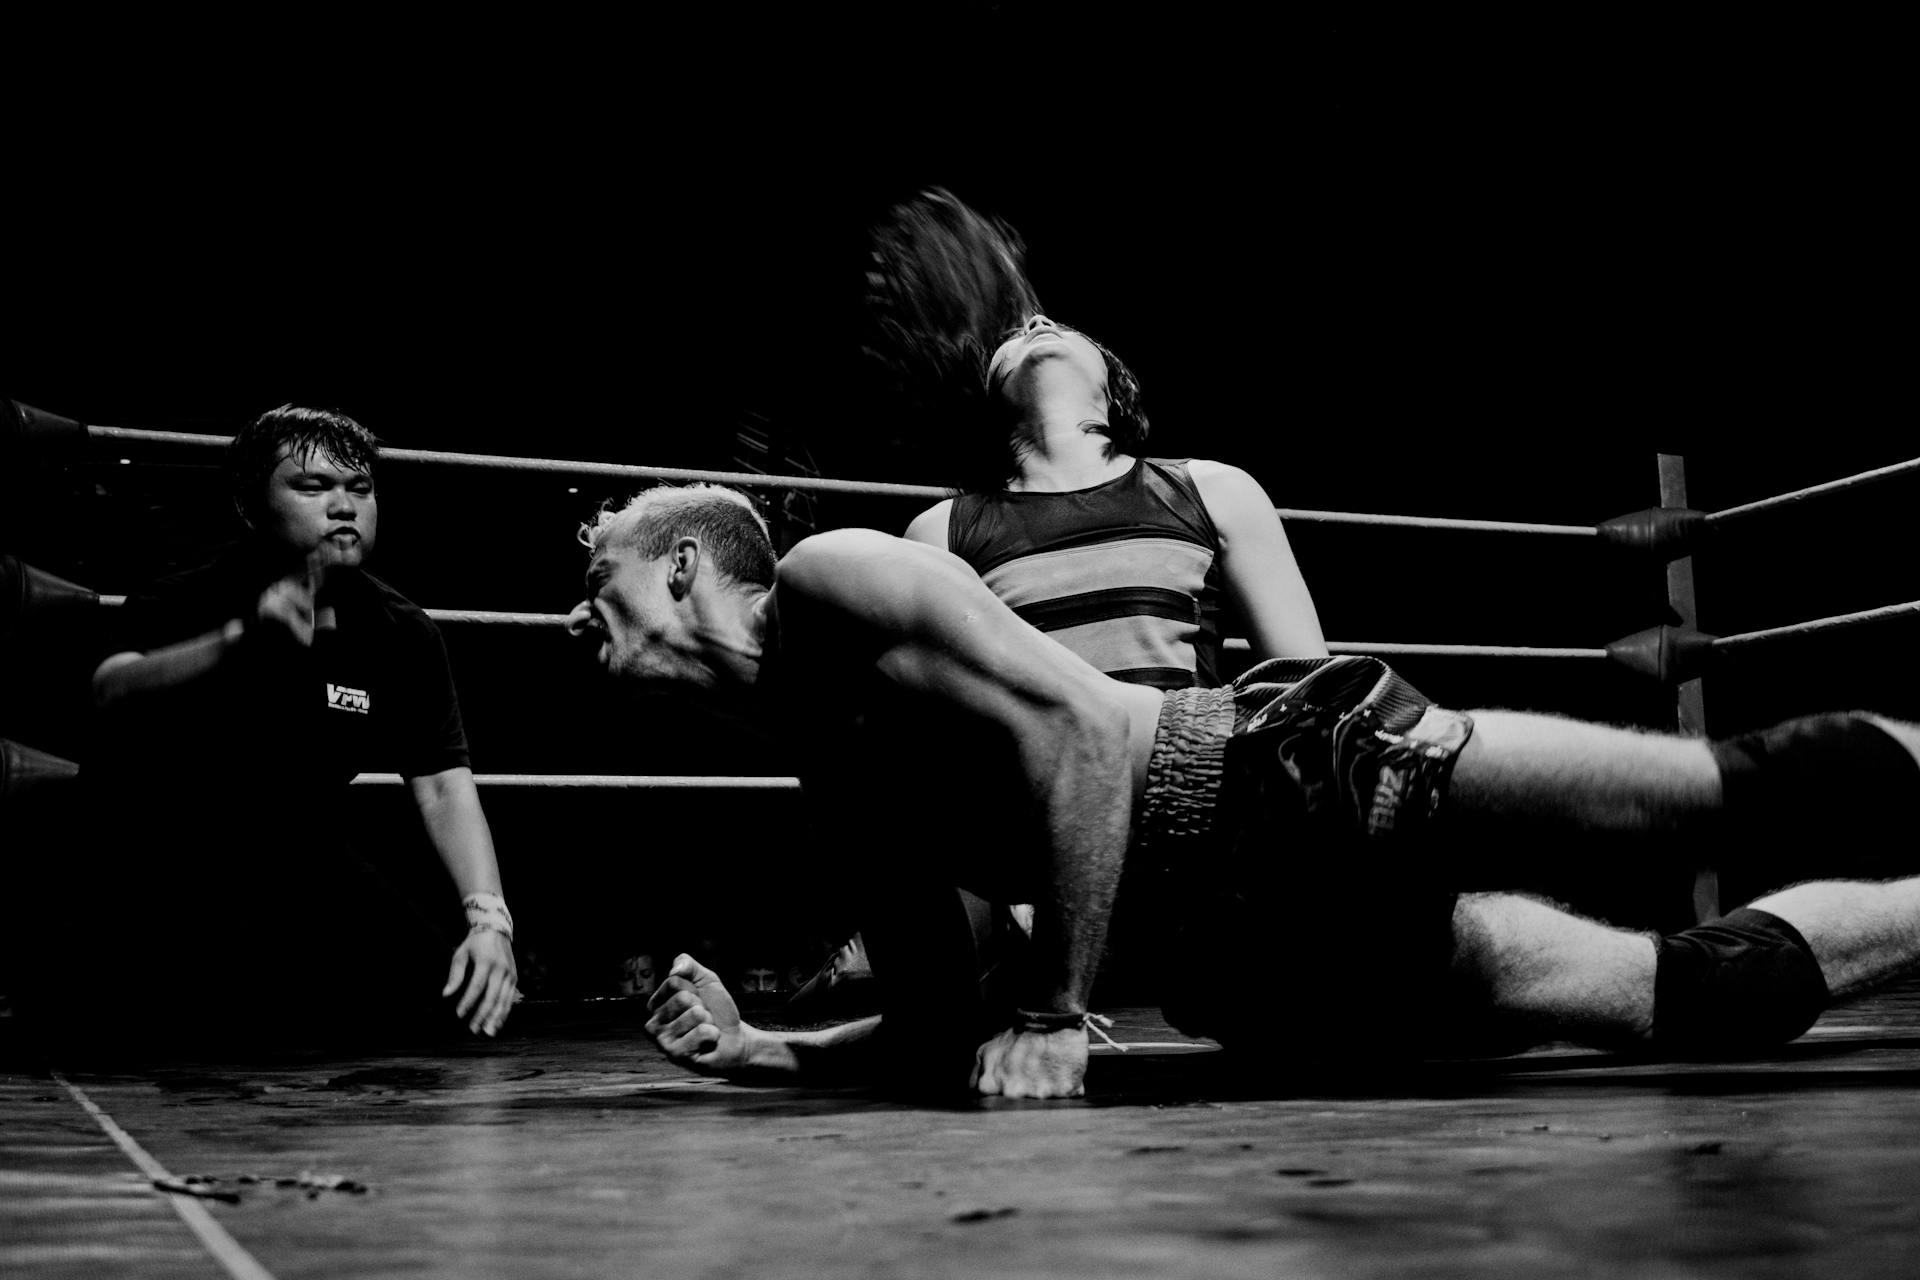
(247, 694)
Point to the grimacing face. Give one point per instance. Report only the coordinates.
(314, 501)
(1041, 339)
(627, 615)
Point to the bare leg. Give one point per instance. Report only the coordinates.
(1863, 935)
(1551, 974)
(1594, 776)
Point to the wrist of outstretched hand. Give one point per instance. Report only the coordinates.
(1030, 1022)
(1046, 1022)
(487, 912)
(764, 1051)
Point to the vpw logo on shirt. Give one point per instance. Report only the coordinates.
(345, 699)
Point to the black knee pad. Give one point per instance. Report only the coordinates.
(1817, 773)
(1739, 984)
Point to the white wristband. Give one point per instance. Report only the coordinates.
(488, 911)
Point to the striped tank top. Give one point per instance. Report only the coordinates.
(1126, 574)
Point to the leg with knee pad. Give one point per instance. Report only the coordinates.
(1740, 984)
(1825, 771)
(1813, 796)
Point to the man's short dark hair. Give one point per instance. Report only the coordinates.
(299, 432)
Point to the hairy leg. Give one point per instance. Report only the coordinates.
(1862, 934)
(1547, 974)
(1597, 777)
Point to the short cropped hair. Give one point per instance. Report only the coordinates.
(298, 432)
(730, 528)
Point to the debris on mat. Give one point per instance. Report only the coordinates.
(209, 1188)
(984, 1215)
(194, 1185)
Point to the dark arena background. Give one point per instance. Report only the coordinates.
(1482, 275)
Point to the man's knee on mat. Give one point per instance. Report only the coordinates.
(1740, 984)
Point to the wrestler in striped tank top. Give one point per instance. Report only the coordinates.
(1126, 574)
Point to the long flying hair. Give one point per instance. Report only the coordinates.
(946, 285)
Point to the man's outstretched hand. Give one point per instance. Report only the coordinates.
(695, 1021)
(1033, 1064)
(484, 973)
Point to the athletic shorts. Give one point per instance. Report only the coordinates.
(1291, 830)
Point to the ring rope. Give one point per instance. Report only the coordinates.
(601, 470)
(1814, 491)
(586, 781)
(678, 782)
(1835, 623)
(1367, 648)
(879, 489)
(1435, 522)
(1393, 650)
(820, 484)
(495, 618)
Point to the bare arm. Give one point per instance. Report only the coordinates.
(945, 635)
(1263, 579)
(696, 1023)
(286, 606)
(130, 674)
(449, 805)
(930, 526)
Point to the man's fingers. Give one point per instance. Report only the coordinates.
(668, 990)
(501, 1003)
(697, 1045)
(288, 603)
(689, 1022)
(319, 560)
(668, 1003)
(986, 1073)
(455, 973)
(502, 1000)
(486, 1014)
(705, 1041)
(1017, 1067)
(685, 966)
(683, 1028)
(480, 989)
(476, 988)
(685, 975)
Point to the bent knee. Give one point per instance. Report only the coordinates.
(1537, 969)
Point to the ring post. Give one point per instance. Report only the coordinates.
(1690, 706)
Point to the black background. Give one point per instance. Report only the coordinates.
(1420, 266)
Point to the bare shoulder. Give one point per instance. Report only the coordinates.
(1229, 481)
(931, 525)
(871, 571)
(1231, 495)
(841, 551)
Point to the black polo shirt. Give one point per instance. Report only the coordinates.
(373, 694)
